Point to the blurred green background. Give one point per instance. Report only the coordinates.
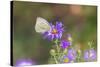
(79, 20)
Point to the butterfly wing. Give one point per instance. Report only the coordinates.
(42, 25)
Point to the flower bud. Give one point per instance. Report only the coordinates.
(69, 38)
(79, 51)
(52, 52)
(65, 51)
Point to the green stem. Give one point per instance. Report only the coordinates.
(78, 59)
(55, 60)
(62, 54)
(90, 44)
(57, 48)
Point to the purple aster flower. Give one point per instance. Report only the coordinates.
(64, 44)
(71, 54)
(70, 57)
(24, 62)
(90, 55)
(55, 32)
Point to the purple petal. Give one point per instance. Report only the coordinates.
(90, 55)
(71, 54)
(65, 44)
(24, 62)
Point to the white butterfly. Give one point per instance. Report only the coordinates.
(41, 25)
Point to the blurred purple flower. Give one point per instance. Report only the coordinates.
(64, 44)
(70, 57)
(90, 55)
(55, 32)
(24, 62)
(71, 54)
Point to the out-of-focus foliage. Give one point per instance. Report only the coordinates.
(79, 20)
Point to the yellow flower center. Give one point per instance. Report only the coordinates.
(66, 60)
(54, 31)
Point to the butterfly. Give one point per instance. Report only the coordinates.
(42, 25)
